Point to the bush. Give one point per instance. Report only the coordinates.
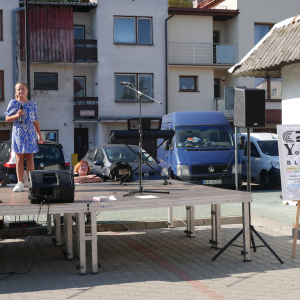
(181, 3)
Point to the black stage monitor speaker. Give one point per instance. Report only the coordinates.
(51, 187)
(249, 108)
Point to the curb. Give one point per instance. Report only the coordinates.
(274, 225)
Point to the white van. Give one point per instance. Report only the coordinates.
(265, 167)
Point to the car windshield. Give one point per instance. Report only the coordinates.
(269, 147)
(125, 154)
(48, 152)
(203, 136)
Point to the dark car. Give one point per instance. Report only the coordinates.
(100, 159)
(51, 156)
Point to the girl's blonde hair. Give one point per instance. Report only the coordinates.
(77, 166)
(20, 82)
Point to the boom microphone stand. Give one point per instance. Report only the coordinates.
(139, 96)
(251, 226)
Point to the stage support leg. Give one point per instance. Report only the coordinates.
(94, 239)
(246, 230)
(190, 220)
(57, 230)
(49, 227)
(81, 242)
(170, 217)
(216, 236)
(68, 235)
(77, 236)
(296, 230)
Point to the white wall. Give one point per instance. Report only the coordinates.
(185, 101)
(190, 29)
(290, 94)
(130, 58)
(6, 57)
(55, 107)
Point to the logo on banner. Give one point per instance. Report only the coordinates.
(288, 136)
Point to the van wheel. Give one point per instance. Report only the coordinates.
(266, 181)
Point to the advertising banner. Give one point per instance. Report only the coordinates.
(289, 157)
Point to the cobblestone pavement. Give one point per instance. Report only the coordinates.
(154, 264)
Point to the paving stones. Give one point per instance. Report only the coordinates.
(152, 264)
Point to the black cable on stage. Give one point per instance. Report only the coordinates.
(21, 273)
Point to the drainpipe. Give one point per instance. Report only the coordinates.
(14, 41)
(167, 67)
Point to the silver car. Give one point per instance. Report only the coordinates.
(100, 159)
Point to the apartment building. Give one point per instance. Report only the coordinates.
(79, 54)
(205, 41)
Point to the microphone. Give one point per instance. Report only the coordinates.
(124, 83)
(21, 118)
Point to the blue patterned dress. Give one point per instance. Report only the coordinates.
(23, 135)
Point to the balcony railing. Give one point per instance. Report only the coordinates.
(201, 54)
(85, 108)
(86, 50)
(220, 106)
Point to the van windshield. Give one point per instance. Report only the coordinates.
(269, 147)
(203, 136)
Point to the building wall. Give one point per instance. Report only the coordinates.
(186, 101)
(190, 29)
(290, 94)
(6, 57)
(55, 107)
(130, 58)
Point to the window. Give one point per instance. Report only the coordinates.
(99, 155)
(79, 32)
(187, 83)
(91, 154)
(254, 151)
(1, 25)
(45, 81)
(79, 86)
(216, 88)
(260, 30)
(50, 135)
(2, 85)
(142, 82)
(133, 30)
(272, 86)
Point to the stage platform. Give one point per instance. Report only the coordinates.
(180, 194)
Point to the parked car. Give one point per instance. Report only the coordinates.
(51, 156)
(100, 159)
(265, 167)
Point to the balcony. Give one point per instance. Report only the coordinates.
(201, 54)
(220, 106)
(85, 108)
(86, 50)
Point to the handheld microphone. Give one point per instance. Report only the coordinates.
(124, 83)
(21, 118)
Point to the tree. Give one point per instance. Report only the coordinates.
(181, 3)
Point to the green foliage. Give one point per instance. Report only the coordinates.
(181, 3)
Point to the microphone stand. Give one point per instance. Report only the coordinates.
(139, 96)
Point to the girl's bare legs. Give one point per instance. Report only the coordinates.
(20, 166)
(29, 163)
